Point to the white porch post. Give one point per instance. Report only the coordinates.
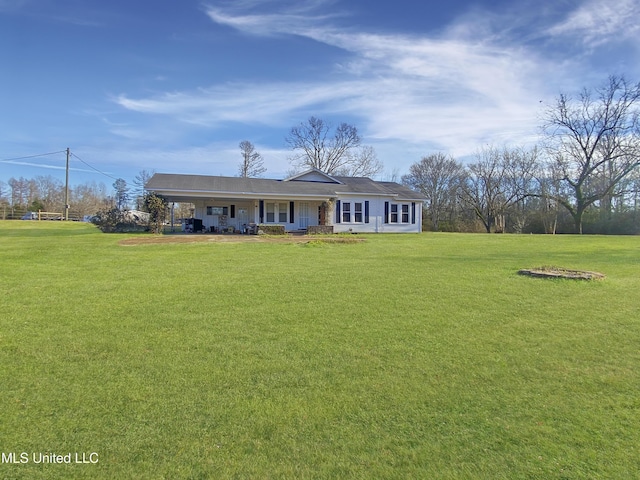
(256, 211)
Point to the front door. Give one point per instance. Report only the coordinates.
(243, 218)
(303, 214)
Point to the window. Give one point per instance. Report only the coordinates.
(357, 212)
(405, 213)
(394, 213)
(346, 212)
(276, 210)
(271, 212)
(216, 210)
(282, 212)
(399, 213)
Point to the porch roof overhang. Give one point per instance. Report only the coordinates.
(190, 196)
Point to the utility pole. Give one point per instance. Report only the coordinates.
(66, 189)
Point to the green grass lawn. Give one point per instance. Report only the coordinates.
(405, 356)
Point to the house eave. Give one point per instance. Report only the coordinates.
(204, 194)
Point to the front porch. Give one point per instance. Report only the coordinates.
(246, 216)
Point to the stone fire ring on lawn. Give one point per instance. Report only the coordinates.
(559, 272)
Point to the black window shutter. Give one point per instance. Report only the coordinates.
(261, 212)
(233, 211)
(413, 212)
(338, 212)
(366, 211)
(386, 212)
(291, 210)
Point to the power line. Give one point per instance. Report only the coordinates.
(92, 167)
(7, 160)
(31, 156)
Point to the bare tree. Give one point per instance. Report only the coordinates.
(521, 166)
(121, 193)
(252, 163)
(87, 198)
(140, 182)
(363, 162)
(50, 191)
(633, 194)
(393, 175)
(337, 153)
(632, 190)
(594, 143)
(549, 189)
(23, 191)
(496, 183)
(438, 177)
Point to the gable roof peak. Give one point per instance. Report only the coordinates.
(313, 175)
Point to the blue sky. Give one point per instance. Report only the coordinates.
(174, 86)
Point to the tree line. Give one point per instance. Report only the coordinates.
(46, 193)
(515, 190)
(584, 176)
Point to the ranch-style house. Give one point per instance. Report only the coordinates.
(311, 200)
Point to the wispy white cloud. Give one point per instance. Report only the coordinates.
(445, 91)
(468, 86)
(245, 103)
(403, 88)
(45, 165)
(595, 23)
(295, 19)
(263, 24)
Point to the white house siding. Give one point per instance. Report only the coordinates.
(237, 207)
(307, 209)
(241, 212)
(236, 214)
(376, 224)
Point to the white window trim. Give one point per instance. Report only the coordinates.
(276, 212)
(400, 212)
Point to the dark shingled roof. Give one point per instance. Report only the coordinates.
(219, 186)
